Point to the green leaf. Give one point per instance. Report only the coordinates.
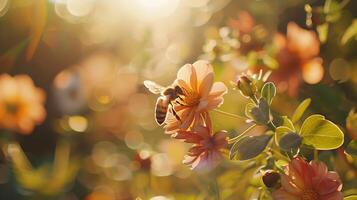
(322, 30)
(288, 123)
(290, 141)
(249, 147)
(248, 109)
(280, 132)
(332, 10)
(270, 62)
(261, 114)
(269, 92)
(350, 32)
(352, 197)
(352, 148)
(300, 110)
(320, 133)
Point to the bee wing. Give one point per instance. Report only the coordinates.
(153, 87)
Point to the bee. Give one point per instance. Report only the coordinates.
(164, 102)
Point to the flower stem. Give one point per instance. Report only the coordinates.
(316, 154)
(233, 140)
(230, 114)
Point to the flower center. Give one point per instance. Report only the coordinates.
(11, 108)
(191, 98)
(309, 195)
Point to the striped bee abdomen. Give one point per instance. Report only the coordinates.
(161, 110)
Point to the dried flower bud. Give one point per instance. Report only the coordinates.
(271, 179)
(246, 87)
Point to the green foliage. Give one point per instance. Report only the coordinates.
(290, 141)
(320, 133)
(248, 109)
(350, 33)
(352, 148)
(352, 197)
(249, 147)
(268, 92)
(288, 123)
(280, 132)
(300, 110)
(332, 10)
(322, 30)
(261, 113)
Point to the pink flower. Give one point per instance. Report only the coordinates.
(205, 152)
(201, 94)
(298, 58)
(308, 181)
(21, 103)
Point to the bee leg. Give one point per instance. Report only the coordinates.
(174, 112)
(180, 103)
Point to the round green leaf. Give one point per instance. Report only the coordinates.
(280, 132)
(261, 114)
(290, 141)
(300, 110)
(288, 123)
(268, 92)
(320, 133)
(249, 147)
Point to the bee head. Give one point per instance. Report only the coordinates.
(169, 92)
(178, 90)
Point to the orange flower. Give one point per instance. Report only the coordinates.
(201, 94)
(308, 181)
(205, 153)
(21, 103)
(298, 59)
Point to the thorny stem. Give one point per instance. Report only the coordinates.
(232, 140)
(230, 114)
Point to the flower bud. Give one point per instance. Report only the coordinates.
(245, 86)
(271, 179)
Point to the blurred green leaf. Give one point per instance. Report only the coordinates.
(350, 32)
(332, 10)
(300, 110)
(290, 141)
(352, 148)
(322, 30)
(352, 197)
(249, 147)
(268, 92)
(320, 133)
(270, 62)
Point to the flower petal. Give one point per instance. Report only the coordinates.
(281, 194)
(184, 73)
(202, 68)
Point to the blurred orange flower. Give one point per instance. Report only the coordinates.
(21, 103)
(201, 94)
(205, 152)
(298, 59)
(308, 181)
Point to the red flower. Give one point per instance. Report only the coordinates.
(205, 152)
(308, 181)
